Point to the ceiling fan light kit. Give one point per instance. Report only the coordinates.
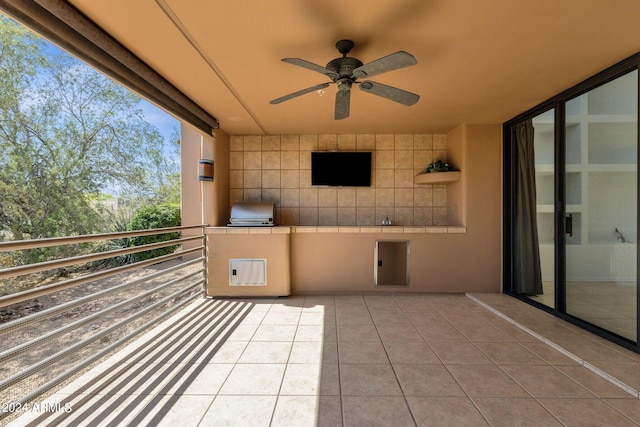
(345, 72)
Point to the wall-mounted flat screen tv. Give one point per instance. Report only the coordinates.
(341, 168)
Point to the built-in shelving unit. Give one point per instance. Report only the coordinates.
(437, 177)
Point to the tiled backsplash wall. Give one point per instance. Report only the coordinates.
(277, 168)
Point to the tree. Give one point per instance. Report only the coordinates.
(19, 58)
(66, 133)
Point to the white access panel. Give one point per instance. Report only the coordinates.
(248, 272)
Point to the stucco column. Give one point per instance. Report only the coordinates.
(196, 195)
(203, 202)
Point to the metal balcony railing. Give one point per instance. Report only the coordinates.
(51, 333)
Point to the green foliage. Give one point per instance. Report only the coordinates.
(438, 166)
(67, 135)
(120, 223)
(155, 216)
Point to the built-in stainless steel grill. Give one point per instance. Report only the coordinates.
(252, 215)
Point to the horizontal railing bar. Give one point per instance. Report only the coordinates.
(13, 379)
(23, 296)
(8, 354)
(71, 240)
(100, 354)
(164, 307)
(55, 287)
(65, 262)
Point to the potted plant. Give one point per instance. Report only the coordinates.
(438, 166)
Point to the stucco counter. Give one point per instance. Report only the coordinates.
(390, 229)
(248, 261)
(340, 259)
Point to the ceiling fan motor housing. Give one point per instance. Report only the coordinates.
(344, 66)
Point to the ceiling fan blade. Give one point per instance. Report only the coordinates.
(387, 63)
(311, 66)
(389, 92)
(298, 93)
(343, 101)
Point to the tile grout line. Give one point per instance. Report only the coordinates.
(470, 398)
(602, 374)
(286, 365)
(393, 369)
(339, 371)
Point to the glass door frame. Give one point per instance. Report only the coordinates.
(558, 103)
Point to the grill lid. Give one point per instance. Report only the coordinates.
(252, 214)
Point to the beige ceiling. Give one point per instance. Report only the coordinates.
(479, 61)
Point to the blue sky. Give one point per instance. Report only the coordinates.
(157, 117)
(164, 122)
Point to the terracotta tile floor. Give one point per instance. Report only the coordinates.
(380, 360)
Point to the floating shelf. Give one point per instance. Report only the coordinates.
(437, 177)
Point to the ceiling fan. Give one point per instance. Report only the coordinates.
(345, 72)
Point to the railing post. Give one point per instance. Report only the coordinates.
(205, 263)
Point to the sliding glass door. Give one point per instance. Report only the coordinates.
(545, 159)
(571, 205)
(601, 145)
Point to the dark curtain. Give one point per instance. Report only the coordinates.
(527, 274)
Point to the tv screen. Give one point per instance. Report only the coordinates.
(341, 168)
